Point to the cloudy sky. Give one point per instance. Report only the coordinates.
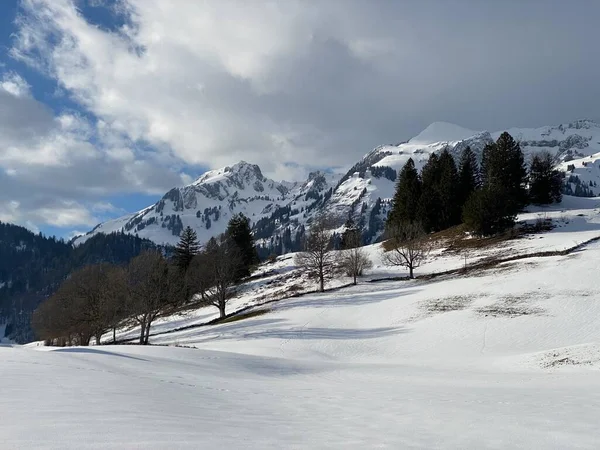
(105, 105)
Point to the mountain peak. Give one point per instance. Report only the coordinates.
(442, 132)
(245, 168)
(242, 168)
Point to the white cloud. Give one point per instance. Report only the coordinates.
(65, 214)
(317, 84)
(106, 207)
(15, 85)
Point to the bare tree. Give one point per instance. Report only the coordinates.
(153, 290)
(196, 277)
(220, 261)
(353, 259)
(116, 307)
(85, 305)
(408, 246)
(101, 288)
(317, 258)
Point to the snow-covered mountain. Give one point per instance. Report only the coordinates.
(280, 211)
(209, 202)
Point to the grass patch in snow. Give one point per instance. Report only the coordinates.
(454, 303)
(512, 306)
(242, 316)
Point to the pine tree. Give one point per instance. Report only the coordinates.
(238, 229)
(468, 175)
(450, 208)
(484, 212)
(545, 182)
(186, 249)
(503, 168)
(493, 208)
(439, 206)
(351, 235)
(406, 198)
(429, 200)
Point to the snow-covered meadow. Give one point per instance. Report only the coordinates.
(503, 357)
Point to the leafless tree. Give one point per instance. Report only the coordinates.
(196, 277)
(318, 259)
(408, 246)
(220, 260)
(116, 308)
(85, 305)
(353, 259)
(101, 288)
(153, 290)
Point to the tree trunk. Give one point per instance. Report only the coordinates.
(84, 340)
(98, 336)
(142, 333)
(354, 278)
(410, 272)
(114, 335)
(221, 310)
(147, 338)
(322, 283)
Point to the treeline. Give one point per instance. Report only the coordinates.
(486, 197)
(32, 267)
(102, 297)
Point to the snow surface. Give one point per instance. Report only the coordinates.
(440, 132)
(507, 357)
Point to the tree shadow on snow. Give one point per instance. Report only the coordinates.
(98, 352)
(245, 331)
(346, 298)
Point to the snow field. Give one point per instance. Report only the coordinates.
(506, 357)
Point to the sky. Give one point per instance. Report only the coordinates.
(106, 105)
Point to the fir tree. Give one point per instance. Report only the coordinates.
(238, 229)
(468, 175)
(351, 235)
(504, 194)
(439, 206)
(484, 212)
(545, 182)
(503, 169)
(406, 198)
(429, 200)
(450, 208)
(186, 249)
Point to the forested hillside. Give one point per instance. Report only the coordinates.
(32, 266)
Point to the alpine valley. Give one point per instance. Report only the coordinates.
(280, 211)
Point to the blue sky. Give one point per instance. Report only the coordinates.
(106, 105)
(47, 91)
(44, 88)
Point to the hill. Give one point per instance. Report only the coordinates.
(504, 355)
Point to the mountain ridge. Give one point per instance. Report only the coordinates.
(281, 211)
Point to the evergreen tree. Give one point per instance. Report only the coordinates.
(484, 212)
(429, 200)
(351, 235)
(186, 249)
(448, 193)
(439, 206)
(545, 182)
(503, 169)
(468, 175)
(493, 208)
(238, 229)
(406, 198)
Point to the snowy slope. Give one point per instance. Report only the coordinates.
(502, 358)
(281, 212)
